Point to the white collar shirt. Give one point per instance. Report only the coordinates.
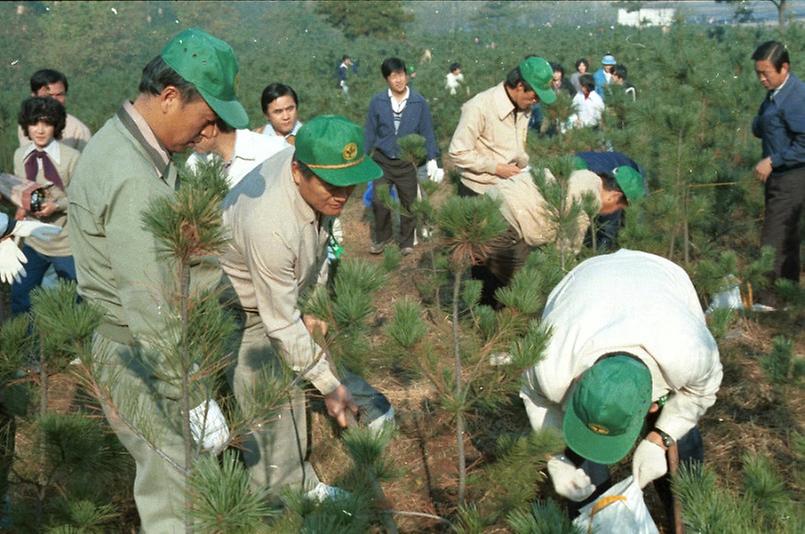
(251, 149)
(52, 150)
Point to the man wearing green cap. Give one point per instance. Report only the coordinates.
(489, 144)
(531, 226)
(123, 168)
(629, 355)
(607, 226)
(280, 219)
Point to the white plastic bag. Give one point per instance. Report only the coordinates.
(620, 510)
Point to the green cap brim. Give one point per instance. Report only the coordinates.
(599, 448)
(365, 171)
(546, 96)
(230, 111)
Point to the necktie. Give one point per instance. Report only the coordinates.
(51, 174)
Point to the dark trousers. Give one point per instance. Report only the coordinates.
(464, 191)
(785, 194)
(403, 175)
(691, 451)
(507, 255)
(35, 269)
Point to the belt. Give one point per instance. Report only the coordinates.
(117, 333)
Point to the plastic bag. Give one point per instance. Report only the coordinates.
(619, 510)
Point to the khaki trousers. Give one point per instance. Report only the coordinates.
(275, 452)
(138, 397)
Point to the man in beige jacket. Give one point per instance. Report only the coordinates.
(489, 144)
(531, 224)
(280, 218)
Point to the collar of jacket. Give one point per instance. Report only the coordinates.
(153, 154)
(503, 104)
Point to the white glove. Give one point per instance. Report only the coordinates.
(568, 480)
(11, 260)
(648, 463)
(35, 229)
(215, 432)
(432, 167)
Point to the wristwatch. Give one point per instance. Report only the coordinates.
(666, 439)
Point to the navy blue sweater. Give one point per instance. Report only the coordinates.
(780, 124)
(416, 119)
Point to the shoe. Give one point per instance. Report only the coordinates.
(405, 251)
(379, 423)
(377, 248)
(322, 492)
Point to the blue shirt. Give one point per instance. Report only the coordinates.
(606, 161)
(780, 124)
(416, 119)
(600, 78)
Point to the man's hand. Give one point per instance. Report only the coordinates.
(507, 170)
(20, 214)
(568, 480)
(649, 462)
(39, 230)
(432, 168)
(11, 260)
(48, 208)
(763, 169)
(314, 325)
(338, 402)
(208, 425)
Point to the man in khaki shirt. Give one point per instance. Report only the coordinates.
(280, 219)
(52, 83)
(489, 144)
(531, 225)
(121, 269)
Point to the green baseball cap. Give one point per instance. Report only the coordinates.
(332, 147)
(538, 73)
(210, 65)
(608, 408)
(631, 182)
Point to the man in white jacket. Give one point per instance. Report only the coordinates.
(629, 351)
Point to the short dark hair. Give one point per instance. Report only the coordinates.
(557, 67)
(157, 75)
(609, 183)
(42, 108)
(345, 57)
(392, 64)
(514, 77)
(44, 77)
(587, 80)
(773, 51)
(275, 90)
(620, 71)
(454, 66)
(582, 60)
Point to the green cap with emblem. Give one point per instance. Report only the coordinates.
(631, 182)
(607, 409)
(538, 73)
(332, 147)
(210, 65)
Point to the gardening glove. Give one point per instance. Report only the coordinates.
(568, 480)
(215, 432)
(11, 260)
(648, 463)
(433, 171)
(35, 229)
